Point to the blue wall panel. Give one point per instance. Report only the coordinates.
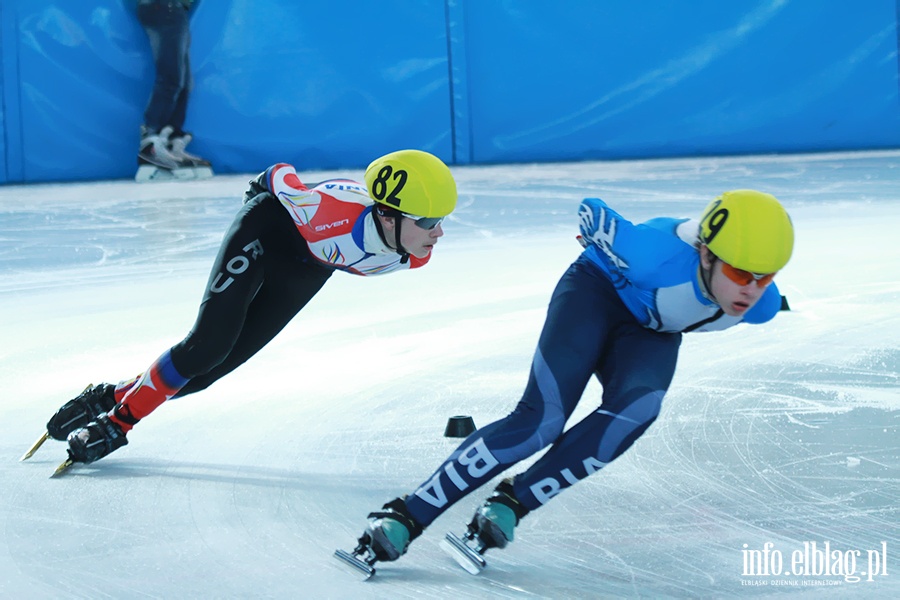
(679, 78)
(85, 74)
(10, 121)
(322, 85)
(319, 84)
(334, 84)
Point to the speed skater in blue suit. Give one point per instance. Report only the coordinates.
(618, 313)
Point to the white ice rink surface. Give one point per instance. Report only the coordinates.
(783, 434)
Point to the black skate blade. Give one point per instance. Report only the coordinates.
(63, 467)
(35, 446)
(468, 557)
(356, 564)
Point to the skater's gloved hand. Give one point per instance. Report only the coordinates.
(597, 224)
(590, 223)
(257, 187)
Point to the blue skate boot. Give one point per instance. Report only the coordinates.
(387, 538)
(493, 526)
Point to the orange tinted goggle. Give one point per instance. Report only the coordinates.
(742, 277)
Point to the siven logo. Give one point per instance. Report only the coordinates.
(328, 226)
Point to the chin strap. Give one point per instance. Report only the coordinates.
(706, 281)
(398, 220)
(404, 255)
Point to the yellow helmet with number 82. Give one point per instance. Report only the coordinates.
(412, 182)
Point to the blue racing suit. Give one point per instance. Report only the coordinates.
(617, 313)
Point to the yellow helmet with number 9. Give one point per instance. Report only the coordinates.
(749, 230)
(412, 182)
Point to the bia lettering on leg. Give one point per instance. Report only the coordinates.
(475, 461)
(548, 487)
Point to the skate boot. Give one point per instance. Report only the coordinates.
(492, 526)
(96, 440)
(390, 531)
(495, 521)
(387, 538)
(81, 410)
(156, 162)
(201, 167)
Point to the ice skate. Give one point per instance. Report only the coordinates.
(493, 526)
(76, 413)
(96, 440)
(95, 400)
(387, 538)
(201, 167)
(495, 521)
(156, 162)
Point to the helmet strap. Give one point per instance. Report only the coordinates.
(404, 255)
(398, 219)
(706, 277)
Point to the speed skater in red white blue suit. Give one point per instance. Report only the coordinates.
(281, 248)
(618, 313)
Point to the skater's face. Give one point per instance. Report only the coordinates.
(416, 240)
(734, 297)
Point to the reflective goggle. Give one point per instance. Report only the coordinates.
(425, 222)
(742, 277)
